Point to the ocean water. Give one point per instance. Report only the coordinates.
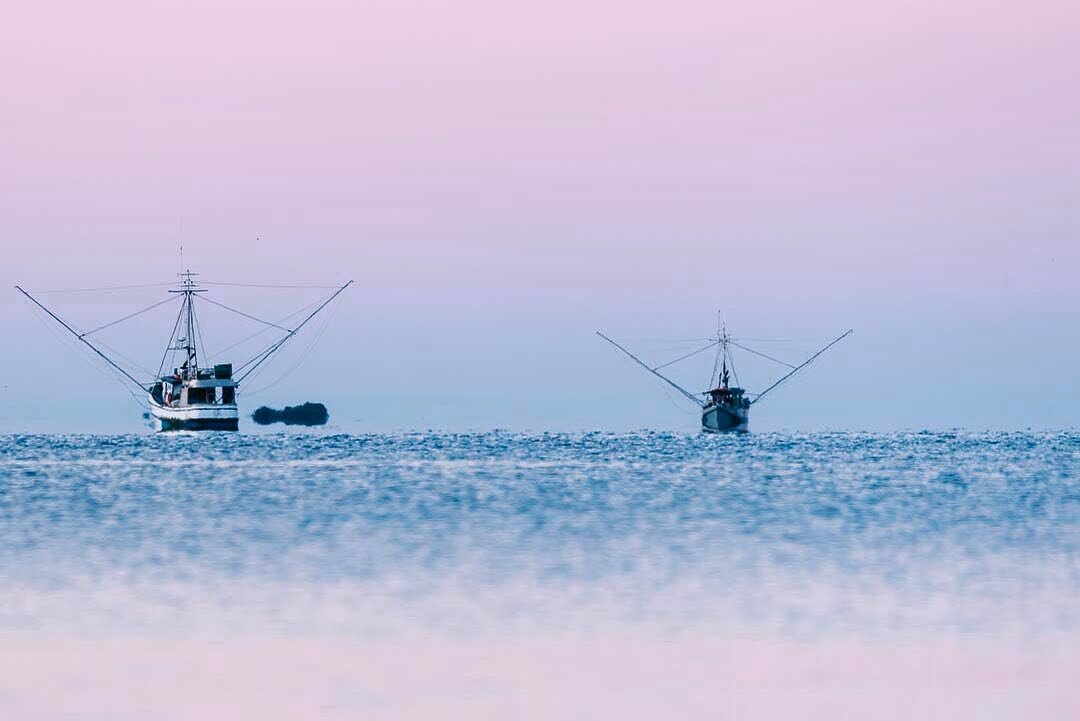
(793, 544)
(798, 534)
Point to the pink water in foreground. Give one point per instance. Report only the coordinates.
(631, 677)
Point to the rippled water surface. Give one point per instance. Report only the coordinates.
(801, 534)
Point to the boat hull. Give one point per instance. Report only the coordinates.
(223, 417)
(721, 419)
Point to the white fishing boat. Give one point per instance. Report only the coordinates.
(724, 408)
(194, 395)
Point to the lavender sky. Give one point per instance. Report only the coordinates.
(503, 179)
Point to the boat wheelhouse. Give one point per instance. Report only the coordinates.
(203, 401)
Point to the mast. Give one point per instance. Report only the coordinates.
(187, 312)
(723, 355)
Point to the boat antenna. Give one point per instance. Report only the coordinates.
(81, 338)
(664, 378)
(802, 365)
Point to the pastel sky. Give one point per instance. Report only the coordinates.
(501, 179)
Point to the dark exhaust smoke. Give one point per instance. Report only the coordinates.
(309, 414)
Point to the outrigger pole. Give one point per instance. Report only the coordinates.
(79, 337)
(690, 396)
(263, 355)
(802, 365)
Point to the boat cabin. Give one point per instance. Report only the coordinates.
(204, 386)
(722, 395)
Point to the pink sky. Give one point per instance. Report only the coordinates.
(863, 142)
(577, 164)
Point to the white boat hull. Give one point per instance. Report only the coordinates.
(217, 417)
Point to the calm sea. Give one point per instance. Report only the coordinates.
(368, 536)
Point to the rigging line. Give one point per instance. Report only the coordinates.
(688, 355)
(756, 352)
(670, 350)
(250, 317)
(268, 349)
(81, 339)
(267, 285)
(129, 317)
(73, 348)
(128, 361)
(263, 355)
(675, 401)
(170, 345)
(141, 402)
(100, 290)
(805, 363)
(281, 342)
(119, 355)
(675, 341)
(304, 355)
(317, 335)
(260, 357)
(76, 349)
(715, 366)
(734, 373)
(256, 334)
(198, 337)
(664, 378)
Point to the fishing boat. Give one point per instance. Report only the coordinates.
(724, 408)
(194, 395)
